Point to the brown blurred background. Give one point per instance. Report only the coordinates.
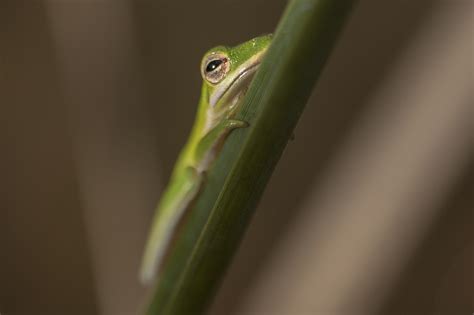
(368, 212)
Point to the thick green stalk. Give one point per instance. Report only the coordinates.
(277, 96)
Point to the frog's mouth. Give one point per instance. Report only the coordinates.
(232, 86)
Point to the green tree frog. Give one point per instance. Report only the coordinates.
(227, 73)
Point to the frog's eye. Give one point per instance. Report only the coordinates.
(213, 65)
(215, 68)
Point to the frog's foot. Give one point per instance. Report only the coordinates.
(232, 124)
(211, 144)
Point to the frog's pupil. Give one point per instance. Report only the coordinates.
(211, 66)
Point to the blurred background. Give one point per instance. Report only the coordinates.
(370, 210)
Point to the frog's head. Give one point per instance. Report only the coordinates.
(227, 71)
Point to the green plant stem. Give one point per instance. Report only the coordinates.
(277, 96)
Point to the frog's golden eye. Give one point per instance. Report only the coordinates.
(213, 65)
(215, 68)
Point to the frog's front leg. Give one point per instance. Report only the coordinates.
(211, 144)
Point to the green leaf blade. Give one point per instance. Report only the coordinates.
(302, 43)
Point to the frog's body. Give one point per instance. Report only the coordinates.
(227, 73)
